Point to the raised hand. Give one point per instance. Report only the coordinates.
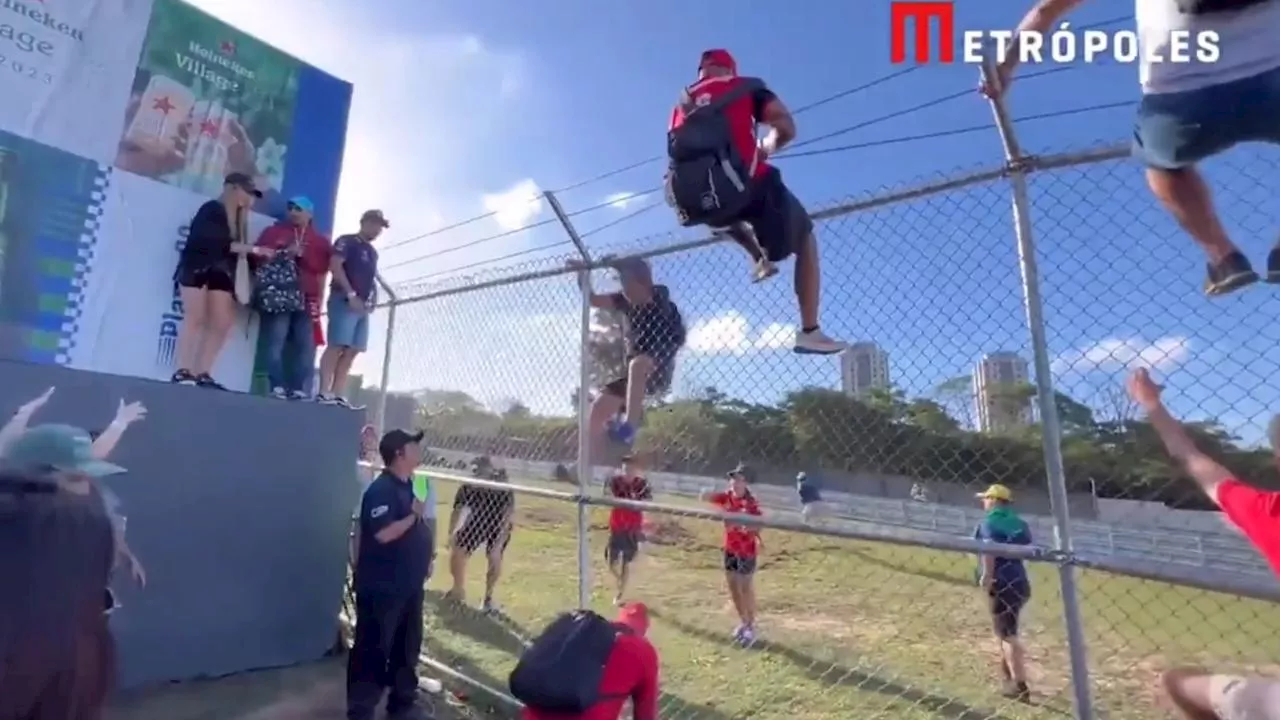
(129, 413)
(31, 406)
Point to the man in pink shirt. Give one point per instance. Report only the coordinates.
(1201, 694)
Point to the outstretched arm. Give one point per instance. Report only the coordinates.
(1206, 471)
(22, 418)
(126, 415)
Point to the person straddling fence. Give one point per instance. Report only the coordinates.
(741, 550)
(655, 334)
(718, 177)
(626, 526)
(1006, 584)
(396, 547)
(1196, 692)
(583, 667)
(1193, 110)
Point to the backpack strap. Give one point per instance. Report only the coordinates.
(744, 86)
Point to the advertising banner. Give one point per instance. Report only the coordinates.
(120, 118)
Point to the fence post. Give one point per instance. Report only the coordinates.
(380, 413)
(584, 404)
(1051, 430)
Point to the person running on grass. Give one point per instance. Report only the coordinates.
(655, 332)
(811, 505)
(1191, 111)
(480, 516)
(1199, 693)
(741, 550)
(1006, 584)
(718, 177)
(626, 526)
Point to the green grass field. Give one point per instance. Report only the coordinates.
(848, 629)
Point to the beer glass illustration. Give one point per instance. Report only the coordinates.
(209, 138)
(163, 108)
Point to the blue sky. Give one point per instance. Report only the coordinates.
(466, 108)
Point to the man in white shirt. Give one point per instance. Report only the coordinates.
(1193, 110)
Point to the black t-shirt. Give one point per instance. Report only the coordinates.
(401, 565)
(488, 506)
(209, 240)
(656, 328)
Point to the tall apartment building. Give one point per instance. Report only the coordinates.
(863, 367)
(996, 412)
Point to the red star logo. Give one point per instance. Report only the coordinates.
(163, 105)
(228, 47)
(210, 128)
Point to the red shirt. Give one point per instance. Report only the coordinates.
(739, 540)
(313, 266)
(628, 488)
(743, 113)
(631, 672)
(1257, 514)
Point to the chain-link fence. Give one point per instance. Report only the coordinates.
(987, 349)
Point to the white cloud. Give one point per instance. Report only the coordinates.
(732, 334)
(1115, 354)
(624, 200)
(516, 206)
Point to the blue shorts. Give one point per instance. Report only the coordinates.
(347, 328)
(1177, 130)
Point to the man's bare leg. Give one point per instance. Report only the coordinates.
(1188, 690)
(458, 570)
(604, 408)
(493, 573)
(1185, 195)
(745, 237)
(328, 363)
(638, 372)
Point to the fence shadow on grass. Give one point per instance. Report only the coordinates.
(823, 671)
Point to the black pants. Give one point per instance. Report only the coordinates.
(385, 652)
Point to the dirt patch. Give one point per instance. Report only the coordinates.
(671, 533)
(542, 517)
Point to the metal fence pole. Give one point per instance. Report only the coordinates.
(584, 406)
(1051, 430)
(380, 414)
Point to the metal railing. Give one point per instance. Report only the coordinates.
(991, 350)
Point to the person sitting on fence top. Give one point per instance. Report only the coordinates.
(1193, 110)
(582, 667)
(655, 334)
(1200, 693)
(712, 145)
(1007, 585)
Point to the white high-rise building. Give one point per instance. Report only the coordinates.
(995, 411)
(863, 367)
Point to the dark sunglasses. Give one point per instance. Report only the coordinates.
(291, 208)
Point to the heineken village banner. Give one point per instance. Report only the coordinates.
(120, 117)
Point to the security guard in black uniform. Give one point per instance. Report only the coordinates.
(395, 555)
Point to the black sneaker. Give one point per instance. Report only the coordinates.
(1230, 274)
(1017, 691)
(205, 380)
(1273, 266)
(183, 377)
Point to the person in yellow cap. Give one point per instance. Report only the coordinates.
(1007, 585)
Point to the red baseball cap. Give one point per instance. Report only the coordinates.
(718, 57)
(634, 616)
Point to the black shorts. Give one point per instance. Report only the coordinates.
(739, 564)
(623, 546)
(480, 531)
(659, 383)
(207, 277)
(780, 222)
(1005, 604)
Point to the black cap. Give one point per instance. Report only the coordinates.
(394, 442)
(375, 216)
(243, 182)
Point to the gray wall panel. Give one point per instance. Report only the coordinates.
(238, 508)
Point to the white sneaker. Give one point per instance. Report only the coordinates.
(763, 271)
(817, 343)
(327, 400)
(279, 393)
(747, 636)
